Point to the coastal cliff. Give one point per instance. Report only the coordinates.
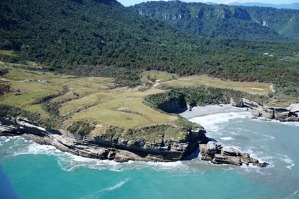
(113, 147)
(119, 149)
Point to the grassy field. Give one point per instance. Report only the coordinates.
(123, 109)
(92, 99)
(159, 76)
(7, 53)
(98, 101)
(249, 87)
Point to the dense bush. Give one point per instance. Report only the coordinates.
(80, 128)
(96, 38)
(198, 96)
(250, 23)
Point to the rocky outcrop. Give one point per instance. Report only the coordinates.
(245, 103)
(122, 150)
(217, 154)
(289, 114)
(100, 147)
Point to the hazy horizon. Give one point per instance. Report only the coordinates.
(132, 2)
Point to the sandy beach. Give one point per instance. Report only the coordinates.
(201, 111)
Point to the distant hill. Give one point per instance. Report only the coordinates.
(279, 6)
(251, 23)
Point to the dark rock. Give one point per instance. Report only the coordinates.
(292, 119)
(254, 161)
(111, 154)
(256, 113)
(217, 155)
(206, 158)
(223, 159)
(264, 164)
(230, 152)
(250, 104)
(281, 114)
(211, 148)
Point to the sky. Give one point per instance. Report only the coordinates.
(132, 2)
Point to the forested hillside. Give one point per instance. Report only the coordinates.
(279, 6)
(103, 38)
(251, 23)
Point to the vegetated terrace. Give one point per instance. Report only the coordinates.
(98, 100)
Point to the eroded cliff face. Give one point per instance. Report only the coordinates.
(115, 145)
(121, 148)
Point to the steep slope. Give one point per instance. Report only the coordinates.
(253, 23)
(83, 29)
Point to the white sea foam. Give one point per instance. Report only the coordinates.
(294, 195)
(34, 148)
(291, 123)
(178, 166)
(98, 193)
(289, 161)
(295, 124)
(226, 138)
(41, 149)
(253, 169)
(69, 162)
(118, 185)
(212, 122)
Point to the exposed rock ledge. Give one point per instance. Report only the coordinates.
(218, 155)
(99, 148)
(289, 114)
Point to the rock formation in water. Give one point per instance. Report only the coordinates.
(226, 155)
(289, 114)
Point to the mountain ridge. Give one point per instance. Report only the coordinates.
(278, 6)
(252, 23)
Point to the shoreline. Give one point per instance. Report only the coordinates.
(201, 111)
(103, 149)
(99, 147)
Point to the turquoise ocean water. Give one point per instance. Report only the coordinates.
(38, 171)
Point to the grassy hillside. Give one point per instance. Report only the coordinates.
(71, 99)
(62, 101)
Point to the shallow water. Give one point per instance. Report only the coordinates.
(43, 172)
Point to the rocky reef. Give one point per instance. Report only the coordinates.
(115, 148)
(227, 155)
(122, 150)
(289, 114)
